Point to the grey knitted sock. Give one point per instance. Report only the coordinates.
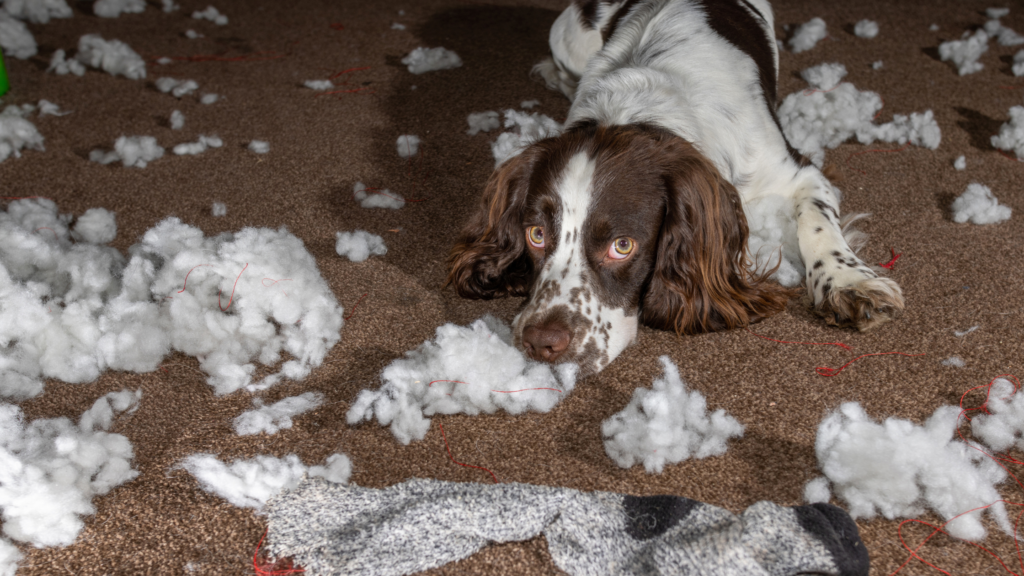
(419, 524)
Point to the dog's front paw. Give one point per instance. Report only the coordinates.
(863, 305)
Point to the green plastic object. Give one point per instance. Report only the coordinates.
(4, 84)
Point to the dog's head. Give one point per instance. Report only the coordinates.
(605, 227)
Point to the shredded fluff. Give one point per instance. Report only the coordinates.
(17, 133)
(209, 98)
(16, 40)
(1005, 36)
(199, 146)
(176, 88)
(359, 245)
(954, 362)
(962, 333)
(170, 5)
(866, 29)
(424, 59)
(114, 8)
(898, 469)
(823, 117)
(50, 469)
(960, 163)
(964, 53)
(397, 26)
(408, 145)
(483, 122)
(95, 226)
(47, 108)
(529, 104)
(667, 425)
(219, 209)
(877, 65)
(114, 57)
(250, 483)
(277, 416)
(59, 64)
(9, 557)
(465, 369)
(979, 206)
(259, 146)
(318, 84)
(177, 120)
(192, 34)
(1011, 134)
(137, 151)
(807, 35)
(526, 129)
(70, 310)
(211, 14)
(37, 11)
(1001, 426)
(368, 198)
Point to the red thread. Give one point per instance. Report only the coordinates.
(891, 263)
(50, 229)
(355, 305)
(186, 277)
(840, 344)
(850, 157)
(826, 371)
(1007, 155)
(448, 448)
(266, 568)
(337, 26)
(223, 309)
(496, 391)
(348, 71)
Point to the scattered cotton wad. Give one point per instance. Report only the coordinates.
(277, 416)
(464, 370)
(424, 59)
(979, 206)
(526, 129)
(359, 245)
(666, 425)
(898, 469)
(371, 198)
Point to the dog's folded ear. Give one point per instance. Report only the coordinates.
(701, 280)
(489, 258)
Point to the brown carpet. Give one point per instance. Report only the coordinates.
(954, 276)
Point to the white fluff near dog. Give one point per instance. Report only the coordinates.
(276, 417)
(465, 370)
(250, 483)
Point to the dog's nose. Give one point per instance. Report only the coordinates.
(546, 342)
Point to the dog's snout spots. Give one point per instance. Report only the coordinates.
(546, 342)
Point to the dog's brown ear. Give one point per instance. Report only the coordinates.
(490, 259)
(701, 280)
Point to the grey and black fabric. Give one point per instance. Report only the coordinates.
(420, 524)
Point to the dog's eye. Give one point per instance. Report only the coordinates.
(621, 248)
(535, 235)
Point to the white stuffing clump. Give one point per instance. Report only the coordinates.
(666, 425)
(807, 35)
(71, 310)
(369, 198)
(318, 84)
(177, 120)
(954, 362)
(979, 206)
(408, 145)
(483, 122)
(899, 469)
(50, 469)
(464, 370)
(137, 151)
(1011, 134)
(211, 14)
(170, 5)
(1018, 64)
(866, 29)
(47, 108)
(199, 146)
(9, 557)
(424, 59)
(529, 104)
(219, 209)
(209, 98)
(60, 65)
(995, 29)
(16, 40)
(526, 129)
(359, 245)
(996, 13)
(114, 57)
(114, 8)
(277, 416)
(250, 483)
(1002, 425)
(397, 26)
(259, 146)
(964, 53)
(176, 88)
(192, 34)
(824, 117)
(17, 133)
(960, 163)
(95, 226)
(37, 11)
(877, 65)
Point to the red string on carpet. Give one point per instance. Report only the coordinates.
(888, 265)
(337, 26)
(222, 308)
(826, 371)
(279, 567)
(448, 448)
(840, 344)
(354, 306)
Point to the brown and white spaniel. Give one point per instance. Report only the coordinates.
(638, 211)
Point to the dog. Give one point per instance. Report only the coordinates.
(638, 210)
